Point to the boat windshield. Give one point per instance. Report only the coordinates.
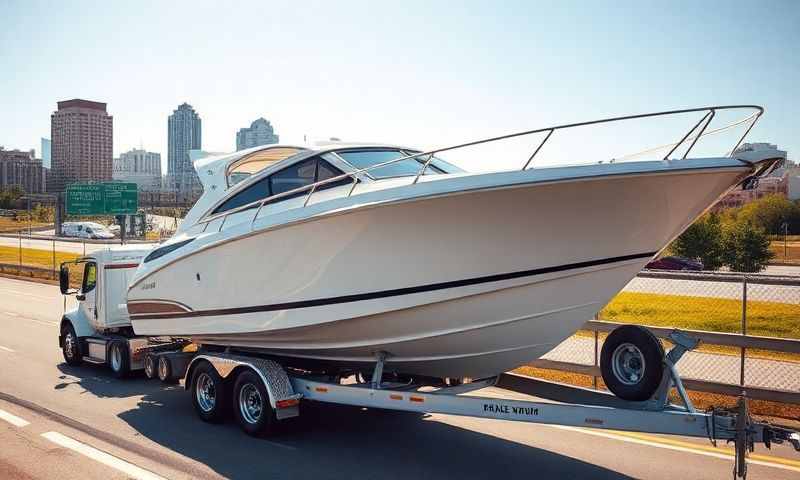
(404, 168)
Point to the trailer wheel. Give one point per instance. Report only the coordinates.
(208, 393)
(71, 346)
(118, 358)
(632, 362)
(252, 406)
(150, 366)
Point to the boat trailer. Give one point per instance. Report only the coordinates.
(563, 405)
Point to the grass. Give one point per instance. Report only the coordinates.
(768, 319)
(8, 224)
(34, 257)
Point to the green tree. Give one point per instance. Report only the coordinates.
(745, 247)
(702, 241)
(770, 212)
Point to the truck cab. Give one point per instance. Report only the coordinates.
(98, 329)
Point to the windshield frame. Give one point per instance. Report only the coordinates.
(402, 152)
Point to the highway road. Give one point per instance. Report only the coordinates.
(67, 422)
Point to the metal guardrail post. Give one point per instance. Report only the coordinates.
(19, 270)
(744, 327)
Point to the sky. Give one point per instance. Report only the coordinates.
(419, 73)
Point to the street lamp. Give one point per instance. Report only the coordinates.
(785, 227)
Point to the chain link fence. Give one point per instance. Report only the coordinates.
(750, 305)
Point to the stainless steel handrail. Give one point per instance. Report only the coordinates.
(705, 121)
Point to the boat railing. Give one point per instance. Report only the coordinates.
(697, 131)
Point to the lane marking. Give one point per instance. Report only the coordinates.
(109, 460)
(686, 447)
(25, 294)
(6, 349)
(13, 419)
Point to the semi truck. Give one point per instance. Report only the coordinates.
(263, 393)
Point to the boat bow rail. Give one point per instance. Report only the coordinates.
(698, 130)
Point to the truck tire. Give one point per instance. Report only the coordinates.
(71, 346)
(119, 359)
(164, 366)
(209, 395)
(251, 405)
(632, 362)
(150, 367)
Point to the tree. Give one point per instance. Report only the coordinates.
(702, 241)
(770, 213)
(745, 247)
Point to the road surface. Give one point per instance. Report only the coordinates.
(67, 422)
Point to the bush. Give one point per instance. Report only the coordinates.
(701, 241)
(769, 213)
(745, 247)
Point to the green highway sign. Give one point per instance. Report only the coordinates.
(112, 198)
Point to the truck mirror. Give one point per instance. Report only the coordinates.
(63, 279)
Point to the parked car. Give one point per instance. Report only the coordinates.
(86, 230)
(674, 263)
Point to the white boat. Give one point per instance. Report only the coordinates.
(332, 255)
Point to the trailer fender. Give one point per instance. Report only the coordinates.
(281, 394)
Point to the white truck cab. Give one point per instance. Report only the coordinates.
(98, 330)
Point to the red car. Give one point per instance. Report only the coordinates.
(674, 263)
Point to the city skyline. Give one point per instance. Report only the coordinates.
(516, 71)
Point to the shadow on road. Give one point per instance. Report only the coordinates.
(329, 441)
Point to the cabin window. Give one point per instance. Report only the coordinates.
(403, 168)
(294, 176)
(89, 277)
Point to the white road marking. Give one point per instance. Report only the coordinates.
(128, 469)
(6, 349)
(25, 294)
(723, 456)
(13, 419)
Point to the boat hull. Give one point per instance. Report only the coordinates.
(452, 285)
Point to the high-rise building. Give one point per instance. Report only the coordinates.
(259, 133)
(82, 143)
(140, 167)
(46, 146)
(22, 169)
(184, 134)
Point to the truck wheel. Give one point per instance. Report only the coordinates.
(208, 393)
(71, 346)
(118, 358)
(632, 362)
(251, 405)
(150, 366)
(165, 370)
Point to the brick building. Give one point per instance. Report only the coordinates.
(23, 169)
(82, 144)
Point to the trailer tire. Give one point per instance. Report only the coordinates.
(71, 346)
(164, 367)
(252, 406)
(119, 358)
(632, 362)
(209, 393)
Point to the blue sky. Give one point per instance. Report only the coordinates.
(421, 73)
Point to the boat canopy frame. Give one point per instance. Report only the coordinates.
(697, 131)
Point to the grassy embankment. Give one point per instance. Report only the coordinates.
(9, 225)
(32, 257)
(792, 252)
